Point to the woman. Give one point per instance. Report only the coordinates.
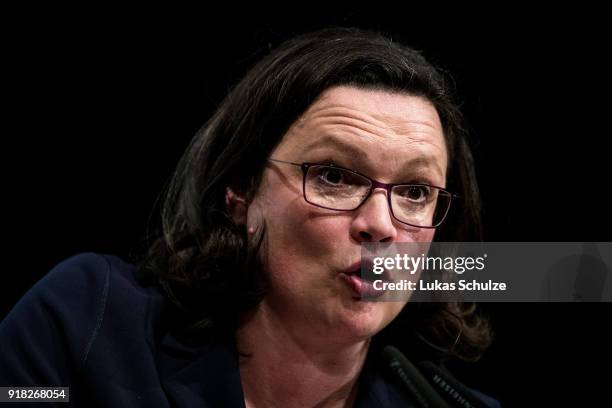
(248, 296)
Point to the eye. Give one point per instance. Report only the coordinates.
(332, 176)
(416, 193)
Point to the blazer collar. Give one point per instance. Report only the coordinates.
(208, 375)
(203, 375)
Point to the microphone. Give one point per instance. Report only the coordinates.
(449, 386)
(412, 379)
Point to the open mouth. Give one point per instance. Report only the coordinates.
(365, 270)
(360, 279)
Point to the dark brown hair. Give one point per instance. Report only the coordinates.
(206, 264)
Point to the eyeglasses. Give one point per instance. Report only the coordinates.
(337, 188)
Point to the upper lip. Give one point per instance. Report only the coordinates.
(367, 264)
(355, 268)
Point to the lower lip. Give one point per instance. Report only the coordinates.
(362, 288)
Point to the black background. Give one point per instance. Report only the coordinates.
(101, 103)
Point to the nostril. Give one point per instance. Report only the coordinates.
(365, 235)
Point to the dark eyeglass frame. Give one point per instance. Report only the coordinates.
(374, 184)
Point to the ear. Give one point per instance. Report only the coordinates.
(236, 206)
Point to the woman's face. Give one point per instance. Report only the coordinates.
(390, 137)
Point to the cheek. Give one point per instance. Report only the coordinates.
(305, 235)
(298, 234)
(417, 235)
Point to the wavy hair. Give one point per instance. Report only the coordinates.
(206, 264)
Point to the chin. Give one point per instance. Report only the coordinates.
(366, 322)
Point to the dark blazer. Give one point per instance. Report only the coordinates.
(90, 325)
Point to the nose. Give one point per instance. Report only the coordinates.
(373, 221)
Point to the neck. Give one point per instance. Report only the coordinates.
(284, 367)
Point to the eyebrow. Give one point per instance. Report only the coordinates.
(417, 163)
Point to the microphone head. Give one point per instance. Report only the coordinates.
(447, 385)
(411, 379)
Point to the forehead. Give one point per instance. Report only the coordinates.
(391, 109)
(374, 125)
